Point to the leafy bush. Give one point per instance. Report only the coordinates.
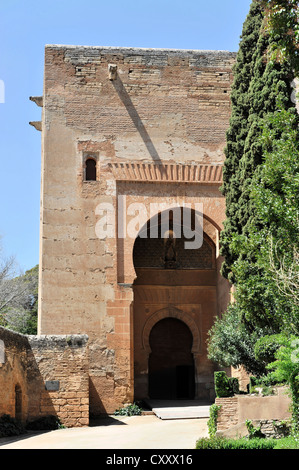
(263, 385)
(225, 386)
(266, 347)
(242, 443)
(285, 369)
(10, 426)
(211, 443)
(222, 385)
(290, 442)
(231, 343)
(130, 410)
(212, 422)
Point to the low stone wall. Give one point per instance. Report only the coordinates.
(45, 375)
(228, 413)
(13, 375)
(265, 410)
(58, 380)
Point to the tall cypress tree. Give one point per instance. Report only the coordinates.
(256, 202)
(258, 87)
(238, 130)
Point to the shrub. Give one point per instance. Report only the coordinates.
(211, 443)
(225, 386)
(212, 423)
(266, 347)
(230, 343)
(265, 383)
(285, 369)
(242, 443)
(289, 442)
(10, 426)
(222, 385)
(130, 410)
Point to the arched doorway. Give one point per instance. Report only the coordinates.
(171, 364)
(175, 303)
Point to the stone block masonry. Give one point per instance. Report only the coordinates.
(154, 123)
(13, 375)
(45, 375)
(228, 413)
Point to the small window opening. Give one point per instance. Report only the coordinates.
(91, 170)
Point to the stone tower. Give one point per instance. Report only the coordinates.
(129, 135)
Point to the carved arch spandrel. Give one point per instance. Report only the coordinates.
(171, 312)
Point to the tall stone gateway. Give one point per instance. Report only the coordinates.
(132, 154)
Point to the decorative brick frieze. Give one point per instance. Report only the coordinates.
(166, 172)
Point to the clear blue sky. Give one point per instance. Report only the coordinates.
(25, 28)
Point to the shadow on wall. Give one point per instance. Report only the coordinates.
(42, 376)
(125, 98)
(22, 388)
(97, 404)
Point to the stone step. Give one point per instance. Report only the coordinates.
(179, 409)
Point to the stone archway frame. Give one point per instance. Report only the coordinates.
(171, 312)
(126, 273)
(209, 237)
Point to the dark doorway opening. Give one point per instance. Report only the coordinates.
(18, 402)
(171, 364)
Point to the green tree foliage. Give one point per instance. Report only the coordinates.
(261, 186)
(282, 24)
(285, 369)
(257, 86)
(275, 193)
(238, 130)
(266, 294)
(267, 346)
(231, 342)
(18, 297)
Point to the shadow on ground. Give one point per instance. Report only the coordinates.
(20, 437)
(104, 421)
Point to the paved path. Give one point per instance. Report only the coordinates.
(136, 432)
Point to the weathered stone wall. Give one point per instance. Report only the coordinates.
(242, 376)
(157, 133)
(52, 374)
(228, 413)
(13, 372)
(63, 360)
(236, 410)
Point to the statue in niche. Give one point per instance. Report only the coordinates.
(170, 261)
